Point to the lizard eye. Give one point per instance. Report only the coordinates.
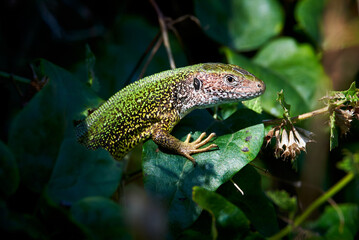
(230, 79)
(197, 84)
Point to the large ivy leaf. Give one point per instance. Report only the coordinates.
(242, 25)
(299, 65)
(101, 217)
(285, 64)
(309, 14)
(80, 173)
(171, 177)
(265, 220)
(37, 131)
(228, 221)
(9, 172)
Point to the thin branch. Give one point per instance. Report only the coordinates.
(152, 54)
(299, 117)
(143, 56)
(318, 202)
(162, 22)
(15, 77)
(182, 18)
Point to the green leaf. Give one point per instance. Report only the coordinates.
(254, 203)
(282, 199)
(225, 111)
(284, 104)
(9, 172)
(37, 131)
(92, 81)
(298, 64)
(340, 222)
(254, 104)
(102, 218)
(309, 14)
(228, 221)
(171, 177)
(80, 173)
(352, 94)
(241, 25)
(285, 64)
(350, 162)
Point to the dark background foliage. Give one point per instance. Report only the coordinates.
(61, 57)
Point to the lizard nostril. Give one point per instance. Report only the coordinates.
(262, 86)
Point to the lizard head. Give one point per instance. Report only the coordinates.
(228, 82)
(212, 84)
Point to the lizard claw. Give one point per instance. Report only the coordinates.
(189, 148)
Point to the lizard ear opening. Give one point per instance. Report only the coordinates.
(197, 84)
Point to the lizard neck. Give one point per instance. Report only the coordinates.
(186, 100)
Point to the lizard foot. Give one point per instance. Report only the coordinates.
(189, 148)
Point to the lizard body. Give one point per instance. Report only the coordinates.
(152, 106)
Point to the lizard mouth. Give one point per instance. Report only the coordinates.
(246, 95)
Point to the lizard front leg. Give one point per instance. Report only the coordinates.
(165, 140)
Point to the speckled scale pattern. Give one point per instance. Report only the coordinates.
(129, 116)
(159, 102)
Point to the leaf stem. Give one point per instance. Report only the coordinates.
(236, 186)
(299, 117)
(15, 77)
(319, 201)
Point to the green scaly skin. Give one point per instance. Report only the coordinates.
(152, 106)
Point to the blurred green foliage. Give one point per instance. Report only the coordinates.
(54, 188)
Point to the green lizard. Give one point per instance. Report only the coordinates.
(152, 106)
